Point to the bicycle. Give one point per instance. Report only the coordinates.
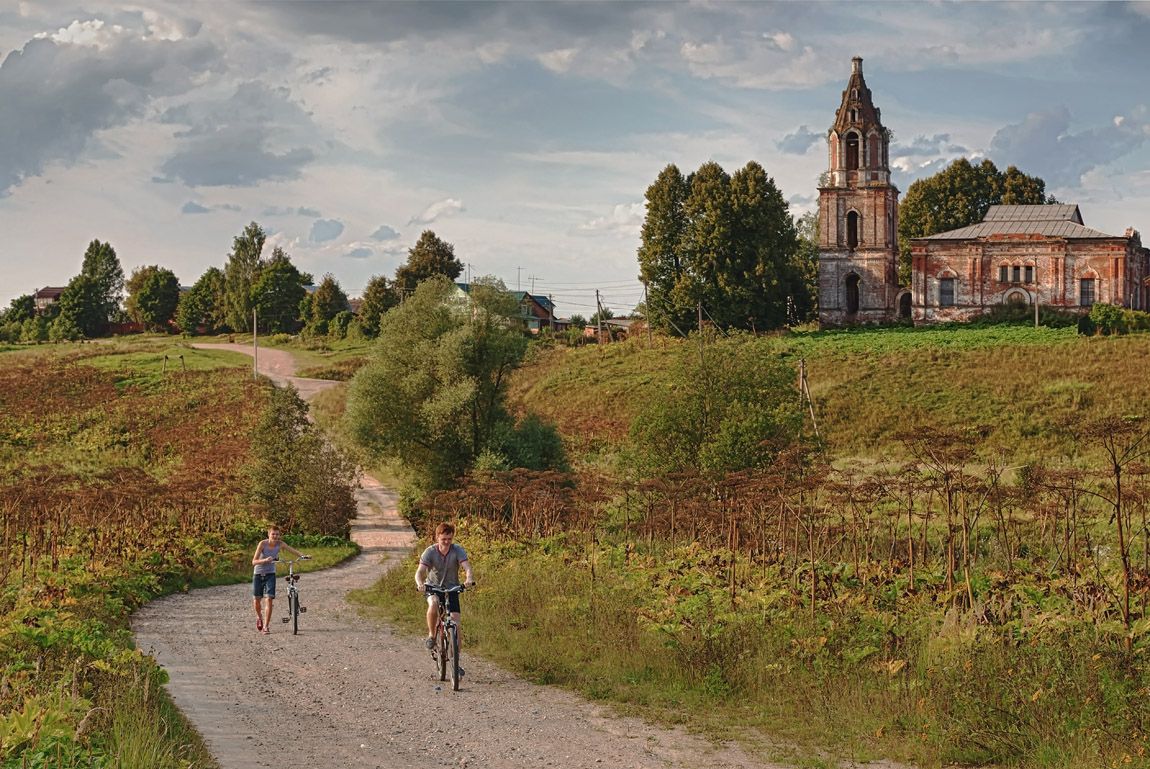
(294, 609)
(446, 650)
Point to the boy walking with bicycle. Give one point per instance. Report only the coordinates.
(439, 567)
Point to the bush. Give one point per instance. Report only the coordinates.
(299, 478)
(1108, 319)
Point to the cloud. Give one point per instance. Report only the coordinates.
(625, 218)
(558, 60)
(324, 230)
(1042, 144)
(191, 207)
(229, 142)
(800, 141)
(60, 91)
(359, 253)
(384, 233)
(445, 207)
(939, 144)
(310, 213)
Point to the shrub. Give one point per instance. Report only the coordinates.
(1108, 319)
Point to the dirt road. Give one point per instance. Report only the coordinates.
(350, 692)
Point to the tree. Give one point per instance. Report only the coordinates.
(298, 475)
(433, 394)
(379, 297)
(241, 271)
(63, 330)
(429, 256)
(806, 300)
(727, 242)
(103, 266)
(278, 292)
(204, 306)
(21, 308)
(327, 301)
(153, 296)
(661, 246)
(959, 196)
(82, 304)
(578, 321)
(729, 412)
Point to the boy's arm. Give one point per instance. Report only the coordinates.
(421, 576)
(298, 553)
(469, 575)
(256, 558)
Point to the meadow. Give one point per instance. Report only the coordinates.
(956, 573)
(122, 470)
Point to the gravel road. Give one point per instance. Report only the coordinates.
(353, 692)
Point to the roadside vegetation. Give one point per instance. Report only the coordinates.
(955, 571)
(122, 481)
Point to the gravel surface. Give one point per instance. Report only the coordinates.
(352, 692)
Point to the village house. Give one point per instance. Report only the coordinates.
(46, 296)
(1022, 254)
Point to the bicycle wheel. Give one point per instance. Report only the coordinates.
(442, 654)
(295, 613)
(453, 644)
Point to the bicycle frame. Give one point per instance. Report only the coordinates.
(294, 608)
(446, 651)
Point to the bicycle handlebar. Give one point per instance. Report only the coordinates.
(297, 560)
(432, 589)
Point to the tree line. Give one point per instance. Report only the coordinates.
(269, 287)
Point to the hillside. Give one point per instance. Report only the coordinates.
(1026, 385)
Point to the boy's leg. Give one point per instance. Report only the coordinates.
(432, 618)
(268, 612)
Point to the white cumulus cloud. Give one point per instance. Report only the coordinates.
(437, 209)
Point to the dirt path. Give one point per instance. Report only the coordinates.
(350, 692)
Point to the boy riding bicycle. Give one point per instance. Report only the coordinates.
(439, 567)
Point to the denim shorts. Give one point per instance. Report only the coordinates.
(264, 584)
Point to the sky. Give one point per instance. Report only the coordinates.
(524, 133)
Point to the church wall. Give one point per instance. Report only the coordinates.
(1117, 265)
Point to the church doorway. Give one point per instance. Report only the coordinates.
(904, 306)
(852, 294)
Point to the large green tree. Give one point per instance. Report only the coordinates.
(806, 301)
(433, 394)
(82, 304)
(278, 292)
(241, 271)
(153, 295)
(322, 306)
(959, 196)
(205, 305)
(21, 308)
(379, 297)
(661, 245)
(726, 242)
(102, 266)
(429, 256)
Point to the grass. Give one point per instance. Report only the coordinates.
(117, 484)
(1026, 385)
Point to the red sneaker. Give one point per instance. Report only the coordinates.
(267, 632)
(259, 624)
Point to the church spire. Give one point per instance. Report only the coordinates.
(859, 143)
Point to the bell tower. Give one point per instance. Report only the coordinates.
(858, 215)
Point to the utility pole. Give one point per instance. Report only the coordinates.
(255, 347)
(700, 333)
(551, 312)
(598, 319)
(532, 278)
(1036, 296)
(647, 314)
(517, 271)
(805, 391)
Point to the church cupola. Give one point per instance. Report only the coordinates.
(858, 143)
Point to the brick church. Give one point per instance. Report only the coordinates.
(1016, 254)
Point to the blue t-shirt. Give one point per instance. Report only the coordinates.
(268, 552)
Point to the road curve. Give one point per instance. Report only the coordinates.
(353, 692)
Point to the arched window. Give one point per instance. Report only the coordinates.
(904, 305)
(872, 160)
(852, 294)
(852, 152)
(852, 230)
